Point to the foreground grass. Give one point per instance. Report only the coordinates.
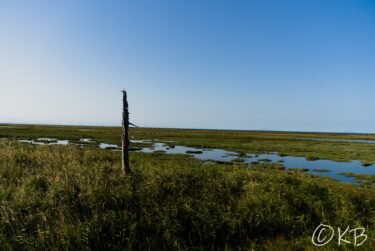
(65, 198)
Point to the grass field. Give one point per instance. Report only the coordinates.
(66, 197)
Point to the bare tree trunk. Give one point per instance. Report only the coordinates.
(125, 135)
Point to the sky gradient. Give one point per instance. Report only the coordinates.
(252, 65)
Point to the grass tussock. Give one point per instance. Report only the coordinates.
(66, 198)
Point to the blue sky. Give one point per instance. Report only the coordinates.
(256, 65)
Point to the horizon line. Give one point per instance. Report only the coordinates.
(187, 128)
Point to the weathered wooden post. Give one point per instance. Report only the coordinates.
(125, 135)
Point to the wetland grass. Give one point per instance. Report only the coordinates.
(67, 197)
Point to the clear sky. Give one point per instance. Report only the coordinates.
(260, 64)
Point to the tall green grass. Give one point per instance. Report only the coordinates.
(67, 198)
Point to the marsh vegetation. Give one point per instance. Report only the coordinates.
(64, 197)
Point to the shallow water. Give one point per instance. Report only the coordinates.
(105, 146)
(60, 142)
(50, 141)
(140, 141)
(333, 168)
(88, 140)
(207, 154)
